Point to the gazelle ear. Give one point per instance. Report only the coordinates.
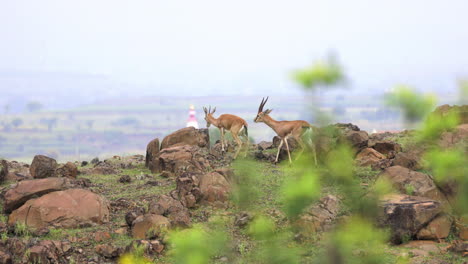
(268, 111)
(214, 110)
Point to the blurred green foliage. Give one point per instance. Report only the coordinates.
(435, 125)
(357, 241)
(245, 188)
(415, 107)
(272, 244)
(321, 73)
(196, 245)
(301, 191)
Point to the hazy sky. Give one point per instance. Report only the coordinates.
(242, 46)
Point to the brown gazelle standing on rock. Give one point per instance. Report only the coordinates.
(227, 122)
(285, 129)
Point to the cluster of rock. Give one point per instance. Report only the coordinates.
(46, 194)
(185, 156)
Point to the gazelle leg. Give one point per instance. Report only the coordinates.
(302, 145)
(239, 143)
(222, 139)
(279, 148)
(247, 143)
(315, 153)
(287, 147)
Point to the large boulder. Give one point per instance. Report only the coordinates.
(187, 189)
(42, 167)
(357, 139)
(103, 168)
(14, 171)
(438, 228)
(410, 160)
(21, 192)
(63, 209)
(214, 187)
(386, 147)
(418, 183)
(179, 159)
(445, 110)
(369, 157)
(150, 225)
(187, 136)
(321, 216)
(406, 215)
(172, 209)
(453, 138)
(151, 151)
(48, 251)
(68, 170)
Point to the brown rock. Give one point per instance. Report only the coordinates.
(68, 170)
(42, 167)
(421, 184)
(21, 192)
(171, 208)
(357, 139)
(5, 257)
(406, 215)
(455, 137)
(151, 247)
(151, 151)
(408, 160)
(179, 159)
(187, 190)
(436, 229)
(100, 236)
(132, 215)
(121, 231)
(187, 136)
(108, 251)
(382, 164)
(320, 217)
(103, 168)
(228, 173)
(16, 246)
(125, 179)
(214, 187)
(45, 251)
(460, 246)
(444, 111)
(163, 205)
(150, 225)
(167, 174)
(462, 226)
(68, 209)
(388, 148)
(369, 157)
(422, 247)
(14, 171)
(264, 145)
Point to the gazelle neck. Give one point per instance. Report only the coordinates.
(269, 121)
(213, 121)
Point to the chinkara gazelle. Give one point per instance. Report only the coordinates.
(285, 129)
(227, 122)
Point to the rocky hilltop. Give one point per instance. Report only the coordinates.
(95, 212)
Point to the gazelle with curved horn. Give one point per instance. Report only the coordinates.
(227, 122)
(285, 129)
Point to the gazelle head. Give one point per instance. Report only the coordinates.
(261, 114)
(208, 115)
